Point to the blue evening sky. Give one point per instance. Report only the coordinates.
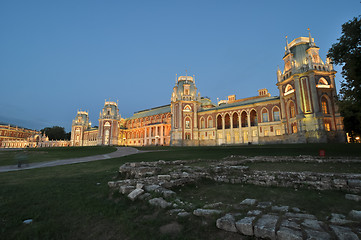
(60, 56)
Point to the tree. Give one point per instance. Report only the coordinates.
(55, 133)
(347, 52)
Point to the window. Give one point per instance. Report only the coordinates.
(278, 132)
(266, 133)
(324, 106)
(210, 122)
(292, 110)
(264, 116)
(188, 136)
(294, 128)
(327, 126)
(219, 122)
(227, 121)
(253, 116)
(276, 114)
(188, 124)
(203, 123)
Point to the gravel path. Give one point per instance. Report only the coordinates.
(120, 152)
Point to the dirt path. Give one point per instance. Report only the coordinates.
(120, 152)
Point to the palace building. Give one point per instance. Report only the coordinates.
(304, 112)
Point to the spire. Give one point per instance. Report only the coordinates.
(287, 49)
(310, 38)
(176, 79)
(194, 78)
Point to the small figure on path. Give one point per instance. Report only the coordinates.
(21, 157)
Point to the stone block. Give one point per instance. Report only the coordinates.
(151, 188)
(226, 223)
(280, 208)
(354, 183)
(316, 235)
(126, 189)
(353, 197)
(285, 233)
(213, 205)
(300, 216)
(206, 212)
(135, 193)
(144, 196)
(159, 202)
(183, 214)
(312, 224)
(339, 219)
(164, 177)
(245, 226)
(290, 224)
(264, 205)
(344, 233)
(266, 227)
(356, 215)
(254, 212)
(249, 201)
(168, 193)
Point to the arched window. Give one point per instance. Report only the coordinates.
(227, 121)
(187, 108)
(324, 105)
(210, 122)
(289, 89)
(276, 114)
(219, 122)
(253, 116)
(292, 110)
(187, 123)
(264, 115)
(294, 127)
(327, 125)
(235, 120)
(187, 136)
(322, 83)
(203, 123)
(244, 121)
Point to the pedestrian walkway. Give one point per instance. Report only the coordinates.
(120, 152)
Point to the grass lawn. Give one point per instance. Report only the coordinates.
(48, 154)
(74, 201)
(332, 150)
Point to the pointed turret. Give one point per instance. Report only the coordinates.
(312, 44)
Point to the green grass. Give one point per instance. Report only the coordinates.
(332, 150)
(48, 154)
(74, 201)
(319, 203)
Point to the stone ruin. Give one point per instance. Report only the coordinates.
(153, 181)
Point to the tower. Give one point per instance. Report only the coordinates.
(307, 94)
(185, 102)
(109, 124)
(79, 125)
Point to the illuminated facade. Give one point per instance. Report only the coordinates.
(304, 112)
(16, 137)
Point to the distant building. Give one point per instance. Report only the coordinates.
(305, 111)
(16, 137)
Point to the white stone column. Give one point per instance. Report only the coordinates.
(249, 126)
(161, 135)
(240, 129)
(156, 135)
(223, 130)
(231, 127)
